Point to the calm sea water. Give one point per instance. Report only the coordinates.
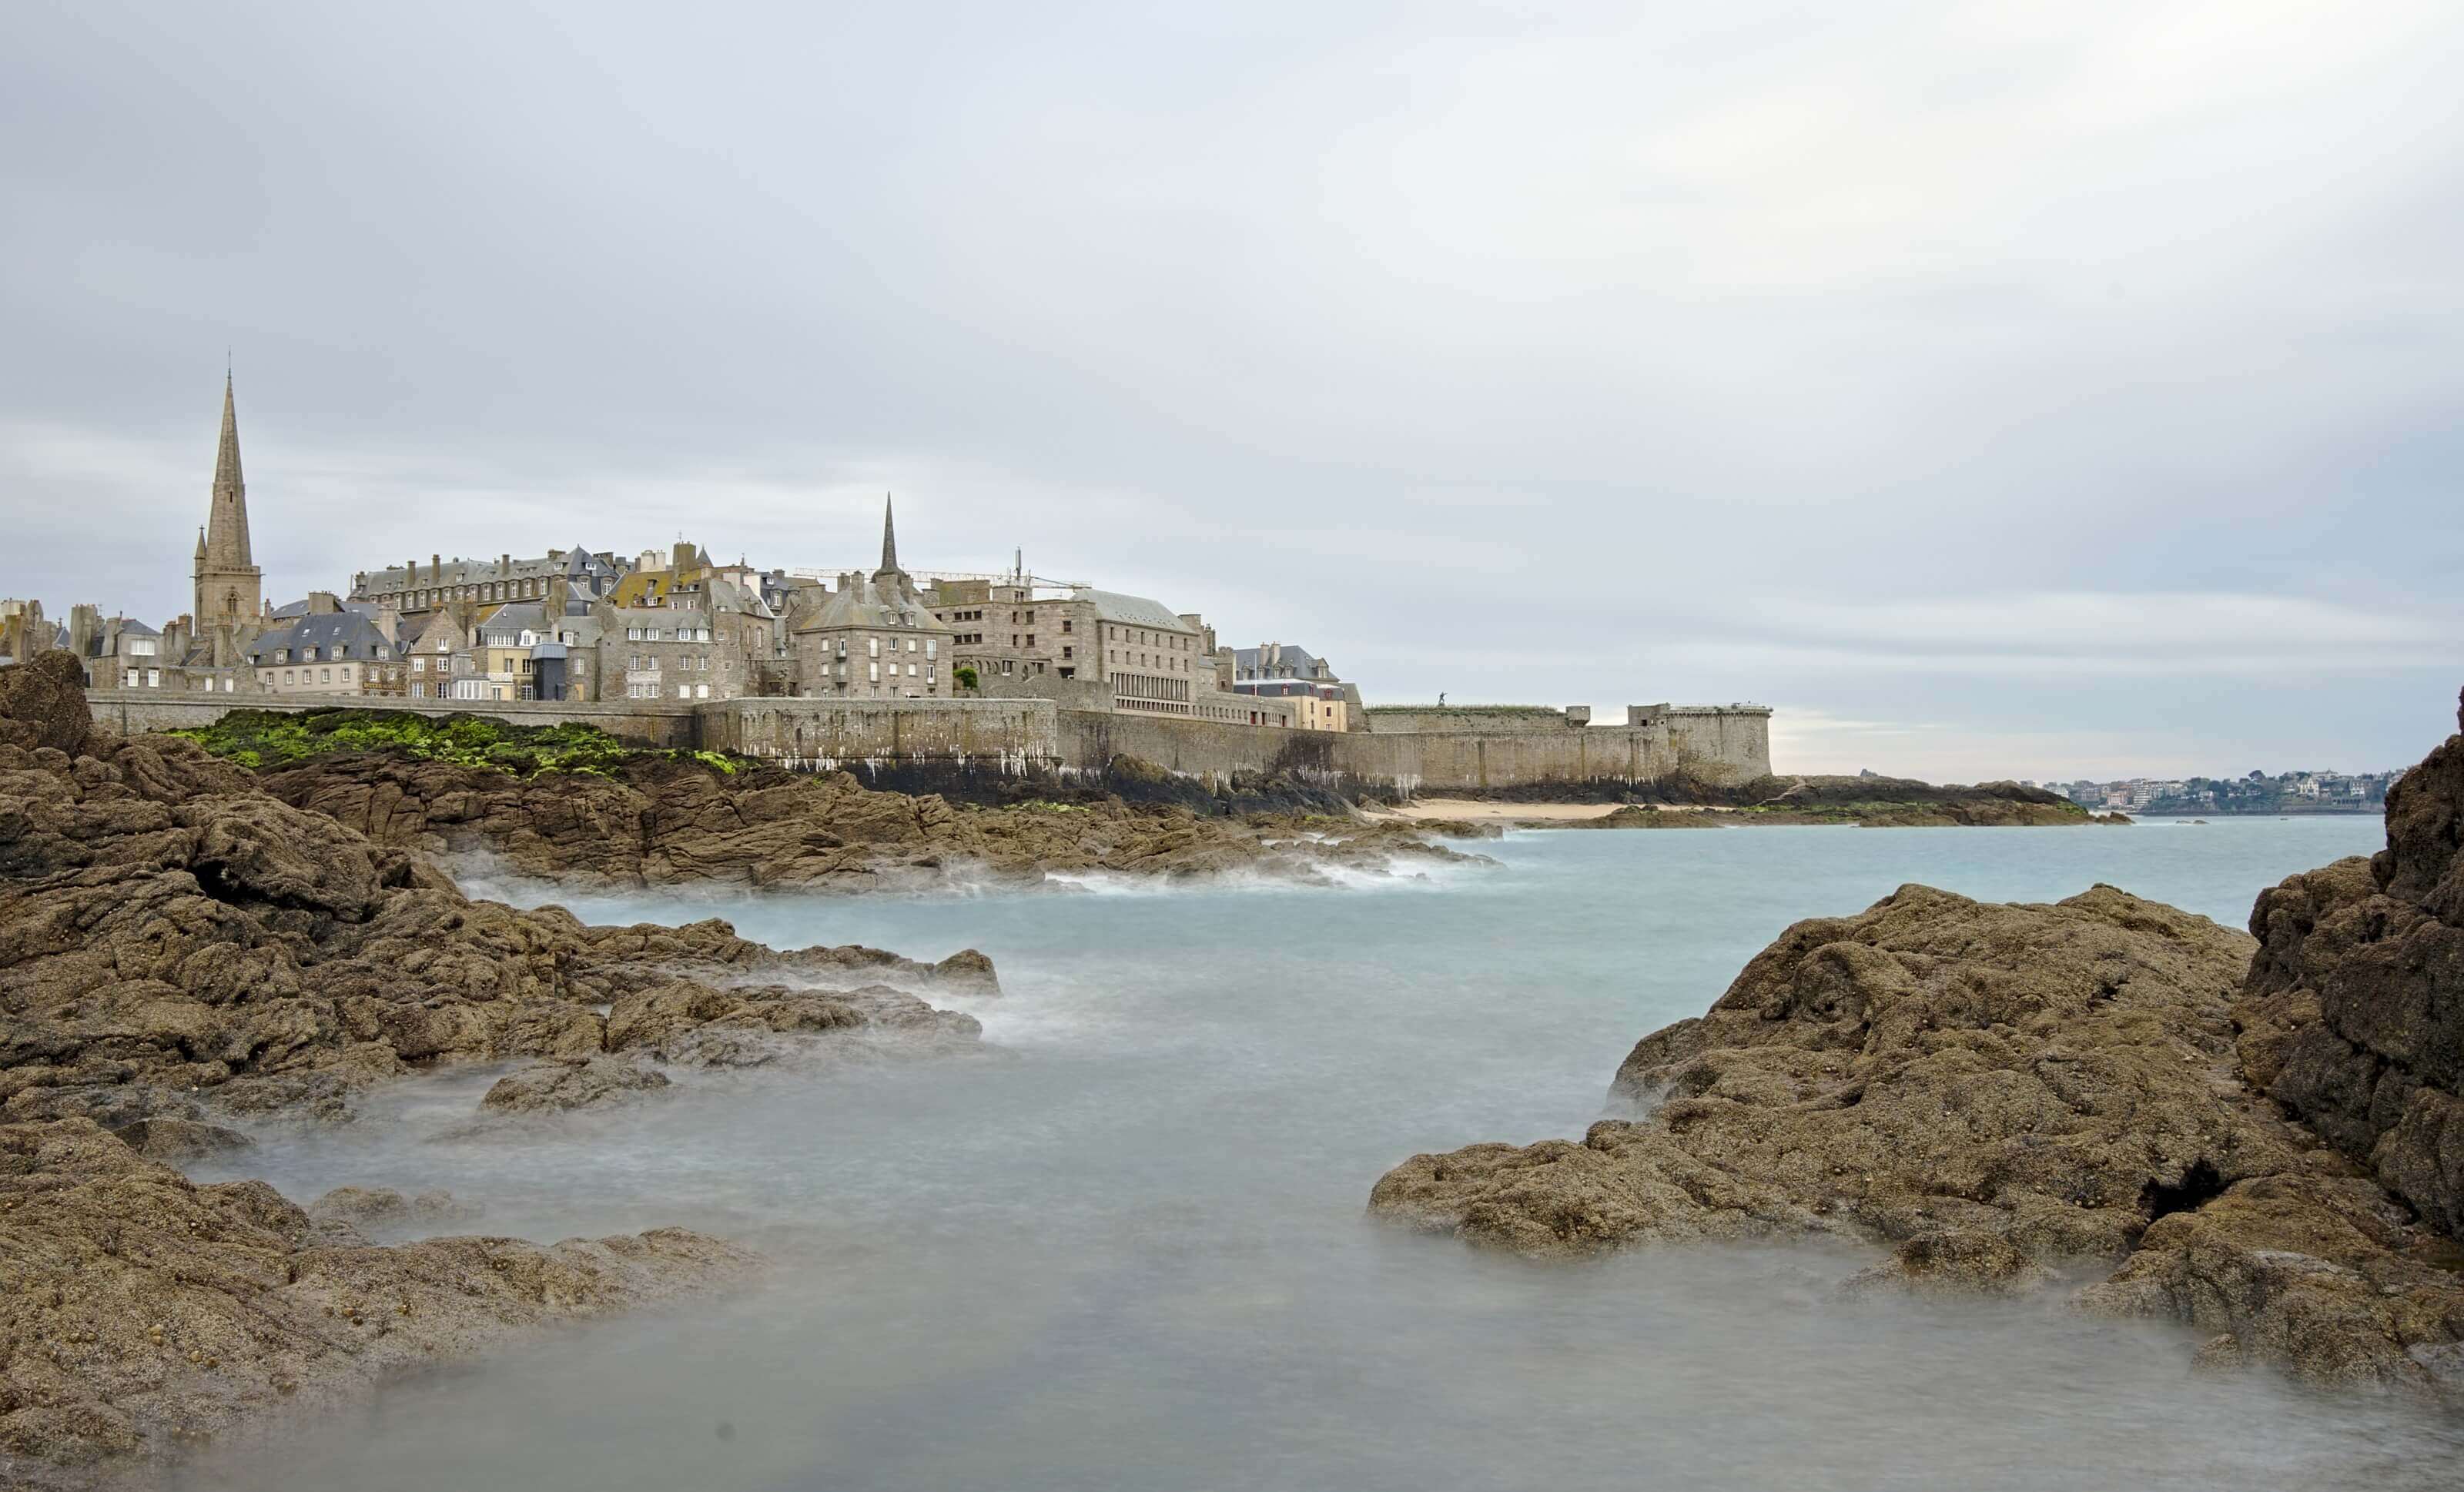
(1124, 1246)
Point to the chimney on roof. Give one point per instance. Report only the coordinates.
(435, 568)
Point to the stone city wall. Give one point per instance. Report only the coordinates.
(1445, 719)
(1013, 737)
(920, 742)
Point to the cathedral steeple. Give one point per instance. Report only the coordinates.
(230, 587)
(227, 527)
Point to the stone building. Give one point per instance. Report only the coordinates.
(1132, 653)
(542, 650)
(1279, 661)
(23, 630)
(873, 637)
(663, 652)
(331, 650)
(1314, 705)
(442, 663)
(415, 590)
(119, 652)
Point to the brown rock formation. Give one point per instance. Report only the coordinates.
(173, 939)
(2355, 1019)
(1991, 1090)
(171, 934)
(663, 822)
(142, 1313)
(561, 1083)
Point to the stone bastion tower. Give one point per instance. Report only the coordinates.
(230, 589)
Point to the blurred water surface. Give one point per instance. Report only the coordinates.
(1124, 1246)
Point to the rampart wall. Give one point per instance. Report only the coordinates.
(918, 741)
(1014, 736)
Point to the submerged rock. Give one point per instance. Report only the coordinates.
(145, 1313)
(568, 1082)
(1989, 1091)
(181, 1139)
(177, 943)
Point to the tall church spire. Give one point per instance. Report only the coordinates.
(230, 587)
(227, 526)
(888, 539)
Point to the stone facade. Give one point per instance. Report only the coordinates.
(415, 590)
(873, 637)
(1139, 654)
(665, 653)
(1315, 705)
(331, 650)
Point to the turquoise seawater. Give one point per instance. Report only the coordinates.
(1124, 1246)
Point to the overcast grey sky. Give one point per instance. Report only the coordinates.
(1995, 389)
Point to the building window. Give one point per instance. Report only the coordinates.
(872, 650)
(153, 678)
(873, 672)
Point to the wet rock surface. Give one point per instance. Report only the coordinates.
(563, 1084)
(144, 1314)
(181, 953)
(2354, 1016)
(1995, 1094)
(662, 822)
(175, 1140)
(177, 943)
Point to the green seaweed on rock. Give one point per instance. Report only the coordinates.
(263, 738)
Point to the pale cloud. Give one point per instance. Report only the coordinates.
(2049, 378)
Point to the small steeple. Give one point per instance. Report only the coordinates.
(888, 540)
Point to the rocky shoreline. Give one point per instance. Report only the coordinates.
(1881, 802)
(178, 948)
(658, 822)
(2260, 1147)
(2261, 1137)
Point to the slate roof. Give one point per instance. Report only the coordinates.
(1130, 611)
(338, 635)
